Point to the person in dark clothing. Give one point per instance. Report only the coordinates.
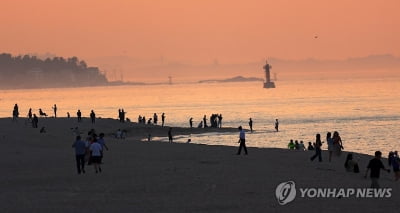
(162, 119)
(79, 114)
(35, 121)
(170, 139)
(251, 125)
(310, 146)
(55, 111)
(191, 122)
(205, 121)
(30, 113)
(318, 145)
(80, 151)
(242, 141)
(375, 165)
(93, 117)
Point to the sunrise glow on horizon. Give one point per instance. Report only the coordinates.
(200, 32)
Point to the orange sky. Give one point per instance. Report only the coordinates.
(200, 31)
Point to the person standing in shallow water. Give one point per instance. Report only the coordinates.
(251, 125)
(318, 145)
(242, 141)
(277, 125)
(191, 122)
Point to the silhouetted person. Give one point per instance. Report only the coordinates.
(155, 118)
(41, 113)
(310, 146)
(242, 141)
(79, 114)
(30, 114)
(251, 125)
(55, 110)
(123, 115)
(162, 119)
(220, 120)
(102, 142)
(205, 121)
(277, 125)
(80, 151)
(191, 122)
(68, 115)
(93, 117)
(375, 165)
(15, 112)
(170, 139)
(35, 121)
(318, 151)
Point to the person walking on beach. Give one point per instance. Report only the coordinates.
(375, 165)
(93, 117)
(277, 125)
(170, 139)
(80, 151)
(220, 120)
(242, 141)
(55, 111)
(318, 145)
(79, 114)
(95, 154)
(162, 119)
(191, 122)
(251, 125)
(337, 144)
(329, 141)
(102, 142)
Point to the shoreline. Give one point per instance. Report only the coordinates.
(40, 175)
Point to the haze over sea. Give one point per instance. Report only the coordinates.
(366, 112)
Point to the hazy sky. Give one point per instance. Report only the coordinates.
(199, 31)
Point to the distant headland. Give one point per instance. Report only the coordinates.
(31, 72)
(234, 79)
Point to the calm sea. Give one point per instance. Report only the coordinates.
(365, 112)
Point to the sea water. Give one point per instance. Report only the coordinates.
(366, 112)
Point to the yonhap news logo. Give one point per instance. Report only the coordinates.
(286, 192)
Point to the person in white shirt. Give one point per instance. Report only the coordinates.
(242, 141)
(95, 155)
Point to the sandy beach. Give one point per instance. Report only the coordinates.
(39, 174)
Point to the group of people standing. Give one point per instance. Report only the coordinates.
(335, 145)
(153, 120)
